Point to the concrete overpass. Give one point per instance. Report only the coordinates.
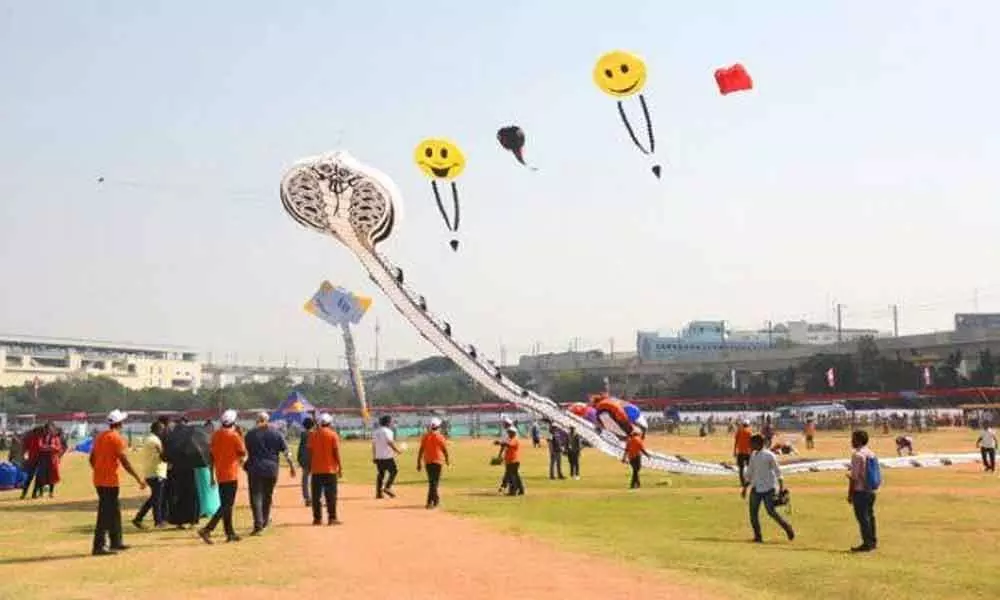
(931, 347)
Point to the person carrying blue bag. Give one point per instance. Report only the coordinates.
(864, 480)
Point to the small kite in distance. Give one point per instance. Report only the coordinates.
(512, 138)
(100, 180)
(733, 79)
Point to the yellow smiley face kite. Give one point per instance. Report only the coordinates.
(439, 158)
(620, 74)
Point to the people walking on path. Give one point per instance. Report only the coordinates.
(302, 456)
(574, 444)
(107, 454)
(325, 467)
(635, 448)
(433, 454)
(228, 450)
(742, 449)
(263, 445)
(764, 476)
(153, 469)
(511, 450)
(384, 452)
(864, 480)
(987, 444)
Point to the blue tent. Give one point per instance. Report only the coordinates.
(293, 409)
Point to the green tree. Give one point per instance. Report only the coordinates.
(869, 363)
(985, 373)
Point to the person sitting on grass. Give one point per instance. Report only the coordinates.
(784, 447)
(904, 443)
(765, 477)
(635, 447)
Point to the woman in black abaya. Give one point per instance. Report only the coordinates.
(186, 449)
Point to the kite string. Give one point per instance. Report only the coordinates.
(437, 196)
(454, 199)
(631, 132)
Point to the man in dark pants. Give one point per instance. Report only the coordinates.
(556, 447)
(635, 448)
(573, 447)
(742, 449)
(105, 457)
(153, 469)
(303, 457)
(263, 447)
(765, 477)
(511, 449)
(433, 452)
(228, 450)
(860, 495)
(324, 464)
(987, 443)
(384, 451)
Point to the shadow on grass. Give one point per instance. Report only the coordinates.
(36, 506)
(27, 560)
(776, 544)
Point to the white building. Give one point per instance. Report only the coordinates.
(803, 332)
(27, 360)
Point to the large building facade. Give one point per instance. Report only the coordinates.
(27, 360)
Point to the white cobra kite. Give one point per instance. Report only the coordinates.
(337, 195)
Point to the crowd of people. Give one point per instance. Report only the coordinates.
(38, 453)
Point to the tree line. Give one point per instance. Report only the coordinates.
(436, 381)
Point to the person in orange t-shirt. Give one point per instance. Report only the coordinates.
(810, 432)
(433, 451)
(634, 449)
(324, 466)
(228, 450)
(511, 450)
(741, 448)
(105, 456)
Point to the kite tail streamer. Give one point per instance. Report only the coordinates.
(649, 131)
(437, 197)
(352, 366)
(454, 199)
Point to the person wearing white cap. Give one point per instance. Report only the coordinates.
(741, 448)
(325, 467)
(433, 452)
(228, 450)
(106, 454)
(264, 444)
(511, 450)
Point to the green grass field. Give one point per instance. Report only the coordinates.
(938, 529)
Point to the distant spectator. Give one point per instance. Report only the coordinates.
(987, 443)
(859, 494)
(767, 430)
(384, 452)
(536, 435)
(810, 432)
(557, 445)
(511, 451)
(784, 448)
(302, 456)
(574, 444)
(635, 448)
(904, 443)
(742, 448)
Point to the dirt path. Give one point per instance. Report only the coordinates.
(398, 549)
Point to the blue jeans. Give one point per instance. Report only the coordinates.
(154, 502)
(768, 499)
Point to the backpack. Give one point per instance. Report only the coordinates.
(873, 473)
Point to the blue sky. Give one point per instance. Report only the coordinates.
(862, 168)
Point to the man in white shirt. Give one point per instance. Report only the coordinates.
(384, 451)
(765, 477)
(987, 443)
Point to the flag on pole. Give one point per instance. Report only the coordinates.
(733, 382)
(831, 378)
(927, 377)
(37, 384)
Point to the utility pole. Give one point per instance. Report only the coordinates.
(895, 320)
(840, 323)
(770, 329)
(611, 343)
(503, 355)
(378, 331)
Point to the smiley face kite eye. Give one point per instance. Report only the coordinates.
(624, 68)
(428, 153)
(444, 153)
(608, 73)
